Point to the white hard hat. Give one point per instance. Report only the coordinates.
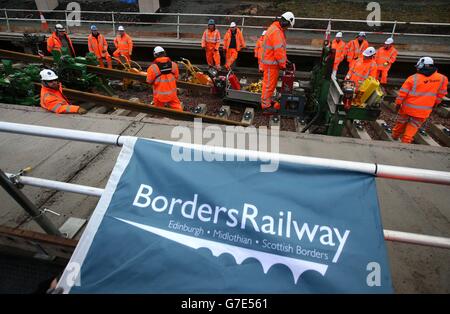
(48, 75)
(233, 24)
(369, 52)
(339, 35)
(389, 41)
(121, 28)
(363, 34)
(158, 50)
(263, 33)
(424, 61)
(59, 27)
(289, 16)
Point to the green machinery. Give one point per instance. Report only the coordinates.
(16, 85)
(73, 72)
(329, 105)
(17, 82)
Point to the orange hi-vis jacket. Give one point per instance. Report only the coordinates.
(420, 93)
(240, 42)
(385, 55)
(340, 48)
(354, 49)
(54, 100)
(54, 43)
(124, 44)
(258, 47)
(362, 69)
(211, 39)
(98, 45)
(164, 85)
(274, 47)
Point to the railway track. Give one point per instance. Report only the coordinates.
(199, 103)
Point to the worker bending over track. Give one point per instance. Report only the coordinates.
(211, 44)
(363, 68)
(163, 75)
(233, 42)
(417, 98)
(274, 59)
(97, 44)
(52, 97)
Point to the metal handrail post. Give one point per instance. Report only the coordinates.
(8, 27)
(67, 23)
(113, 23)
(242, 24)
(393, 29)
(178, 26)
(28, 206)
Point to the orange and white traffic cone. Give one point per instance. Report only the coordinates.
(44, 24)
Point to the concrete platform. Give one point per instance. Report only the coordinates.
(405, 206)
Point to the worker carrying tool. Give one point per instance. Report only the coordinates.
(124, 45)
(211, 44)
(417, 97)
(97, 44)
(233, 42)
(363, 68)
(384, 58)
(59, 39)
(355, 48)
(274, 59)
(258, 50)
(339, 46)
(163, 75)
(52, 97)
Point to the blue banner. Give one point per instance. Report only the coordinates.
(170, 226)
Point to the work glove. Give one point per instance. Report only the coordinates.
(81, 110)
(397, 108)
(386, 64)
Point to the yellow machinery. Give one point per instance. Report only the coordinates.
(193, 74)
(369, 92)
(254, 87)
(132, 66)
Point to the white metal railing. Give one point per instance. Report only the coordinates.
(261, 22)
(382, 171)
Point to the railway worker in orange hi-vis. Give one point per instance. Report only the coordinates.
(416, 99)
(97, 44)
(163, 75)
(211, 44)
(258, 50)
(384, 58)
(274, 59)
(124, 45)
(363, 68)
(339, 46)
(355, 48)
(52, 97)
(233, 42)
(59, 39)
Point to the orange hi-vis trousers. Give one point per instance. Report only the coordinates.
(408, 126)
(384, 75)
(174, 103)
(269, 84)
(231, 57)
(212, 57)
